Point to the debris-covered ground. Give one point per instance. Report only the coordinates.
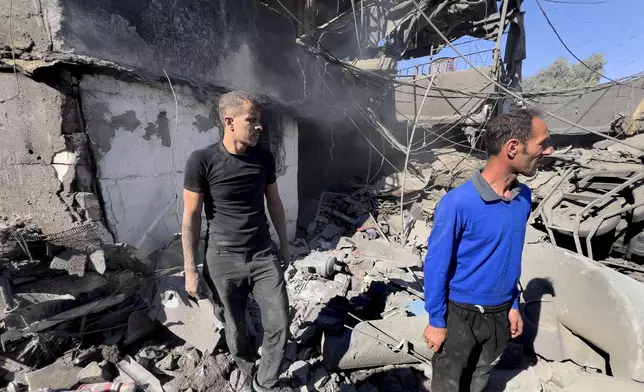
(80, 313)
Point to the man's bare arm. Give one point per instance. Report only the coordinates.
(190, 234)
(278, 216)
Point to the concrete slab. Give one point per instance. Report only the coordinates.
(142, 377)
(193, 322)
(58, 375)
(566, 290)
(355, 350)
(73, 261)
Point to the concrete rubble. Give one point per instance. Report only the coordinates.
(97, 313)
(91, 299)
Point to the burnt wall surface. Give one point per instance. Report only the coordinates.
(240, 44)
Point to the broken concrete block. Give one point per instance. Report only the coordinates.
(320, 378)
(169, 362)
(97, 262)
(73, 261)
(211, 374)
(92, 374)
(89, 203)
(598, 294)
(193, 322)
(300, 372)
(400, 257)
(58, 375)
(139, 374)
(355, 350)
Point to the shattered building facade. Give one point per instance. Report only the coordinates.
(103, 102)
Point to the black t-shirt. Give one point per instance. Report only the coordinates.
(233, 187)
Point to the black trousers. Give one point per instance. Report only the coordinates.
(232, 277)
(474, 344)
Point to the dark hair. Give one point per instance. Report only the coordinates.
(515, 124)
(233, 100)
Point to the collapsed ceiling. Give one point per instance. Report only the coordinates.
(403, 30)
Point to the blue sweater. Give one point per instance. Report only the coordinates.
(474, 250)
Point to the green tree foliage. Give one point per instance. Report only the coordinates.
(559, 75)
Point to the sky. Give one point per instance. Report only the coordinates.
(612, 27)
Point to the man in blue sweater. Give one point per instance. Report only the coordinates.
(473, 258)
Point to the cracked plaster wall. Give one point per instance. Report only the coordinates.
(44, 171)
(130, 126)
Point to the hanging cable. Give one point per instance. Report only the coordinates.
(568, 49)
(512, 93)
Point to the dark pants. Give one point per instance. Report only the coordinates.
(234, 276)
(474, 344)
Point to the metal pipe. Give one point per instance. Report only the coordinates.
(355, 22)
(497, 49)
(411, 139)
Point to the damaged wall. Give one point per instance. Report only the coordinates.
(139, 158)
(232, 44)
(45, 171)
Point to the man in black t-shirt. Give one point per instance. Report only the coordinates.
(229, 180)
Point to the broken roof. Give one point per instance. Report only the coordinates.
(400, 21)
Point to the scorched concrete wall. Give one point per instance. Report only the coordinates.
(140, 159)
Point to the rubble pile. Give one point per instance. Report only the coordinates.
(591, 201)
(89, 315)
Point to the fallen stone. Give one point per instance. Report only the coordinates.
(92, 374)
(210, 375)
(317, 291)
(58, 375)
(169, 362)
(400, 257)
(73, 261)
(138, 374)
(300, 372)
(177, 384)
(11, 370)
(90, 204)
(97, 262)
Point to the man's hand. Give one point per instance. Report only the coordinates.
(516, 323)
(434, 337)
(284, 254)
(192, 283)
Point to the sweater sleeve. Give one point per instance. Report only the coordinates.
(441, 248)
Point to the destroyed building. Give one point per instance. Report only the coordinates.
(103, 102)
